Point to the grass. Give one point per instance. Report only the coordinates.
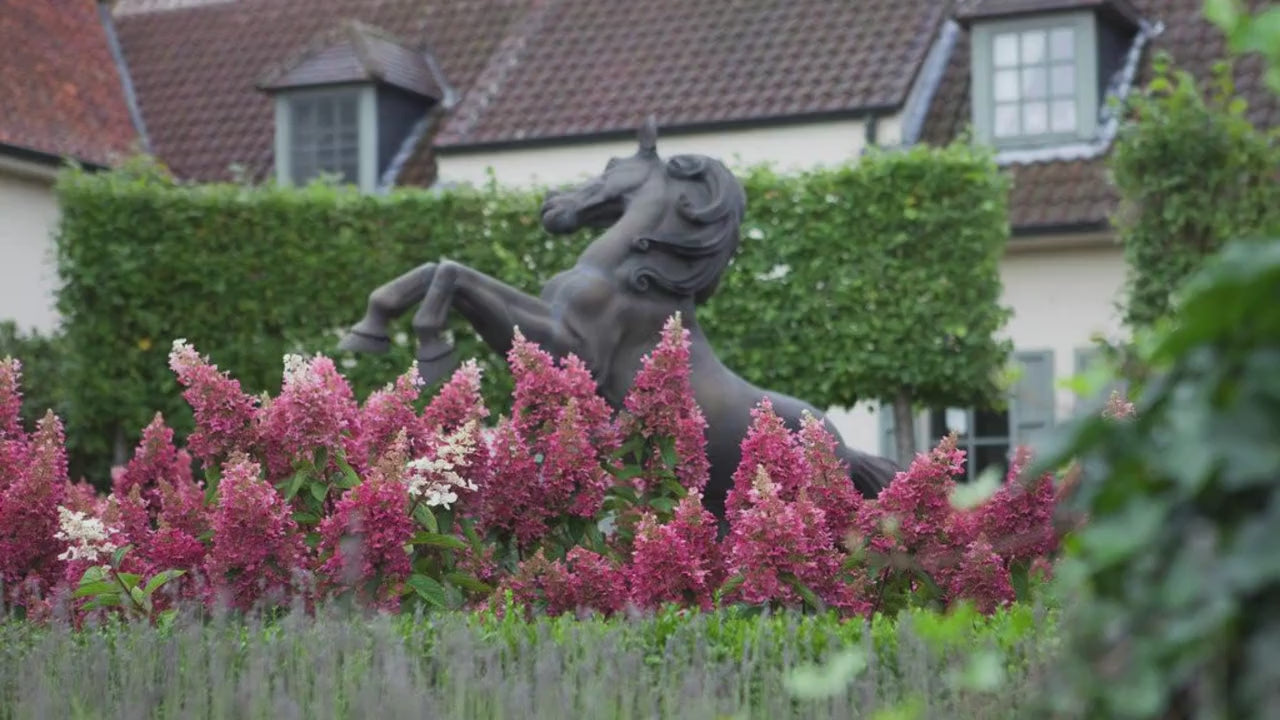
(729, 664)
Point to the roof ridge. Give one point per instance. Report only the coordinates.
(489, 81)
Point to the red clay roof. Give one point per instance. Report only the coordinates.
(586, 67)
(1052, 194)
(60, 92)
(196, 68)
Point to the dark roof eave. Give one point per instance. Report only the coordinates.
(861, 113)
(41, 157)
(1083, 226)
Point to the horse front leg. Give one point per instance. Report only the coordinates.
(386, 303)
(493, 308)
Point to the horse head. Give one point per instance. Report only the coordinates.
(603, 200)
(696, 207)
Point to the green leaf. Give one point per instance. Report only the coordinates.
(118, 555)
(427, 588)
(294, 484)
(319, 490)
(447, 542)
(130, 580)
(305, 518)
(161, 578)
(212, 476)
(426, 518)
(467, 581)
(1223, 13)
(663, 504)
(349, 478)
(99, 587)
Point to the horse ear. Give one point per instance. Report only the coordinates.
(649, 136)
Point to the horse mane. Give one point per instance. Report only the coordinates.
(688, 257)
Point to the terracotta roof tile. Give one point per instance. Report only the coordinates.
(1051, 194)
(196, 68)
(599, 66)
(60, 91)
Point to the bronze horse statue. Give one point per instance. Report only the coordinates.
(669, 231)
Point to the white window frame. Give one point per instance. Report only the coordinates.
(982, 87)
(366, 118)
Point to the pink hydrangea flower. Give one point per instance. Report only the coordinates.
(13, 438)
(314, 411)
(983, 578)
(829, 482)
(256, 544)
(385, 413)
(573, 481)
(507, 500)
(594, 582)
(772, 540)
(1019, 518)
(915, 510)
(536, 583)
(155, 461)
(677, 562)
(661, 404)
(224, 415)
(365, 538)
(82, 497)
(29, 510)
(542, 390)
(458, 402)
(768, 444)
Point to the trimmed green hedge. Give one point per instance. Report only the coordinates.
(891, 285)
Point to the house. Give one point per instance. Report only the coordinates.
(423, 92)
(62, 98)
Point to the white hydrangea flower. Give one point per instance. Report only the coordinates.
(86, 536)
(433, 479)
(296, 368)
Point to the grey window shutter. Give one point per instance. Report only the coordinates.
(1033, 397)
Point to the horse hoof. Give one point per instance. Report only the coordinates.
(436, 361)
(356, 341)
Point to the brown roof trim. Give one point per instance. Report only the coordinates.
(41, 157)
(870, 113)
(1120, 11)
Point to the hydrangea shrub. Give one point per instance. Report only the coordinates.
(563, 505)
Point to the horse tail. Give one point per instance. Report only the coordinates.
(870, 473)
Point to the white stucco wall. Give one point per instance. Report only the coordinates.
(788, 148)
(28, 274)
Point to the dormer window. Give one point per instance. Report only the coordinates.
(347, 104)
(324, 134)
(1039, 77)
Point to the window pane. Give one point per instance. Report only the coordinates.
(1006, 85)
(1062, 80)
(324, 112)
(1063, 117)
(1033, 43)
(348, 116)
(985, 456)
(1007, 120)
(1062, 44)
(991, 424)
(1035, 118)
(1006, 50)
(1033, 85)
